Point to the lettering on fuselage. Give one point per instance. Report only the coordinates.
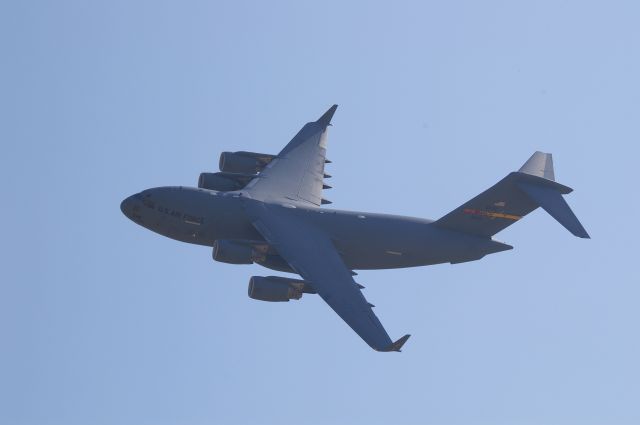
(188, 218)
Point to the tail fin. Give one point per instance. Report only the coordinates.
(550, 198)
(512, 198)
(540, 164)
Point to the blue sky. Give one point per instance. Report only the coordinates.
(103, 322)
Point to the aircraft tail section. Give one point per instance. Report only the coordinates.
(540, 164)
(512, 198)
(551, 200)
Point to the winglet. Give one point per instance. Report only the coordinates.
(396, 346)
(325, 119)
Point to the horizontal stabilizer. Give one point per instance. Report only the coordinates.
(513, 197)
(551, 201)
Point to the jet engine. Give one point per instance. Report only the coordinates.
(235, 252)
(277, 289)
(244, 162)
(224, 182)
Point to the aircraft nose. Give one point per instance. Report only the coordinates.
(127, 205)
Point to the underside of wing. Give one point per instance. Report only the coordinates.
(297, 172)
(310, 252)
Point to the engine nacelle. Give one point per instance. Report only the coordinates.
(223, 182)
(235, 252)
(277, 289)
(244, 162)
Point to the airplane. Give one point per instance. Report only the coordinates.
(267, 209)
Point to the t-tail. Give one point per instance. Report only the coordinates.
(512, 198)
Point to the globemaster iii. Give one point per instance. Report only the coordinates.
(267, 209)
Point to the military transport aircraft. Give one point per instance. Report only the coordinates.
(266, 209)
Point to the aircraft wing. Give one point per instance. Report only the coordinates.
(311, 253)
(297, 172)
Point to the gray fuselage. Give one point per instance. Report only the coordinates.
(364, 240)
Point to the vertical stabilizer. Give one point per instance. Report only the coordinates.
(513, 197)
(541, 165)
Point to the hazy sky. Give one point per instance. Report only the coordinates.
(104, 322)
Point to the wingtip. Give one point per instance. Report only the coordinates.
(325, 119)
(399, 343)
(397, 346)
(583, 234)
